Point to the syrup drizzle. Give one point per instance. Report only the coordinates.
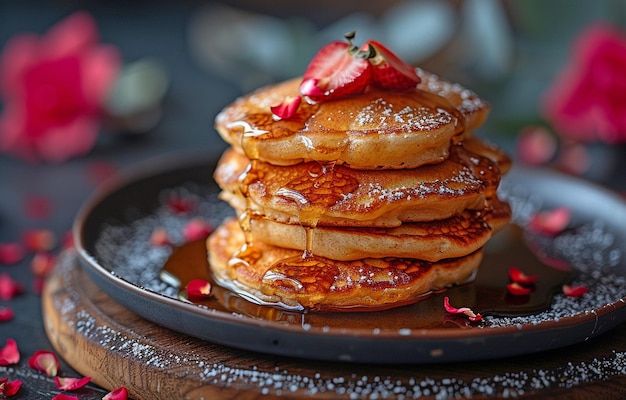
(311, 205)
(486, 294)
(248, 253)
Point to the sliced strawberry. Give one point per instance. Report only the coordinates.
(389, 71)
(337, 70)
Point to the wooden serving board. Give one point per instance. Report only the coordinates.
(115, 347)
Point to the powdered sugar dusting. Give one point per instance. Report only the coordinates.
(381, 115)
(469, 102)
(588, 246)
(137, 260)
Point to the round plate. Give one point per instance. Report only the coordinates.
(113, 230)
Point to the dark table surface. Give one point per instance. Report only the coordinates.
(196, 94)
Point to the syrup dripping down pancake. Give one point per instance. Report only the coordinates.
(320, 284)
(375, 130)
(342, 196)
(453, 237)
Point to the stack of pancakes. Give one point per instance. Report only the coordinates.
(364, 202)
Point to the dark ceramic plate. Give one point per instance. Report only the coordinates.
(113, 231)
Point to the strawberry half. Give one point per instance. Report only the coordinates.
(389, 72)
(337, 70)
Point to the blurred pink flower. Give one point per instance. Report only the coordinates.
(53, 88)
(587, 101)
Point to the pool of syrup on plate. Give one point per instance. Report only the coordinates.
(486, 294)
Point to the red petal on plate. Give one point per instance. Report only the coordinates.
(287, 108)
(160, 237)
(550, 222)
(45, 361)
(575, 291)
(9, 288)
(179, 204)
(6, 314)
(518, 290)
(71, 383)
(198, 289)
(120, 393)
(39, 239)
(474, 317)
(196, 229)
(520, 277)
(11, 253)
(9, 354)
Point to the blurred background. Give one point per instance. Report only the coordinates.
(202, 54)
(180, 62)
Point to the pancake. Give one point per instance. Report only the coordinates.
(339, 196)
(498, 213)
(319, 284)
(402, 129)
(489, 150)
(430, 241)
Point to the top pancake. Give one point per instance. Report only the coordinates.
(375, 130)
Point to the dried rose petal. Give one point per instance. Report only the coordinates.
(198, 289)
(9, 288)
(550, 222)
(6, 314)
(575, 291)
(38, 207)
(472, 316)
(45, 361)
(287, 108)
(42, 264)
(63, 396)
(516, 289)
(520, 277)
(9, 354)
(535, 145)
(11, 253)
(160, 237)
(196, 229)
(71, 383)
(179, 204)
(120, 393)
(9, 388)
(39, 239)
